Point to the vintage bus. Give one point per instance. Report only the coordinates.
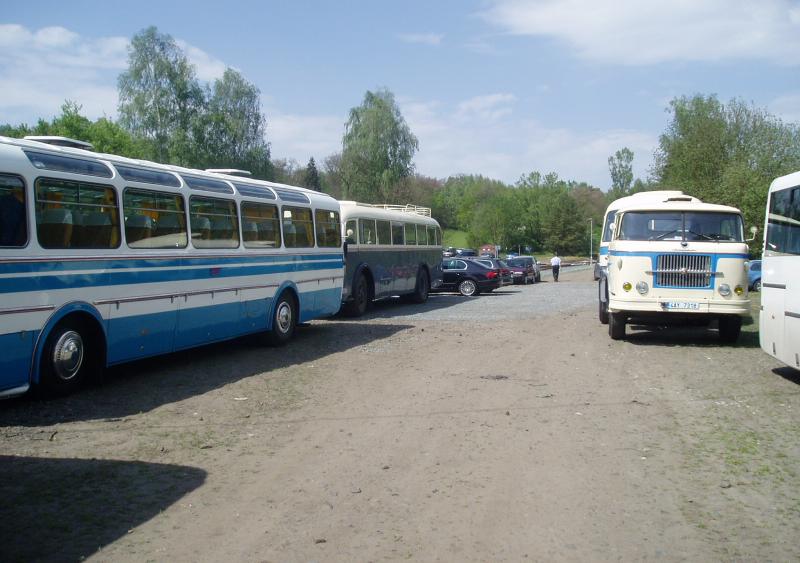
(391, 250)
(779, 318)
(678, 260)
(601, 265)
(105, 259)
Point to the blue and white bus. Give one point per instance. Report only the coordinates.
(779, 318)
(391, 250)
(105, 259)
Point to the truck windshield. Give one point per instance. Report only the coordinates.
(681, 225)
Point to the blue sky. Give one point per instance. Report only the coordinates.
(495, 87)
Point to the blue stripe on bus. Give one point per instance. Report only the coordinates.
(715, 258)
(15, 360)
(56, 265)
(78, 280)
(656, 254)
(603, 250)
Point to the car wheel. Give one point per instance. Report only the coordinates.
(616, 326)
(757, 285)
(602, 312)
(284, 320)
(468, 288)
(729, 328)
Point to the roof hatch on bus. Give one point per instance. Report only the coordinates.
(60, 141)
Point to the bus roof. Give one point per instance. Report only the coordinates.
(389, 212)
(656, 195)
(679, 204)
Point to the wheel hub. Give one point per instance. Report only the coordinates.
(68, 355)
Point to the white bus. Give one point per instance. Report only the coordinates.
(679, 260)
(601, 265)
(779, 318)
(105, 259)
(391, 250)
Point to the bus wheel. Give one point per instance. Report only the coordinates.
(468, 288)
(420, 294)
(616, 326)
(360, 302)
(730, 326)
(602, 311)
(284, 320)
(68, 359)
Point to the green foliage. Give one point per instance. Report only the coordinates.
(159, 96)
(726, 154)
(454, 238)
(311, 177)
(378, 150)
(620, 167)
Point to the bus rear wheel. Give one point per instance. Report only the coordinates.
(423, 287)
(284, 320)
(69, 359)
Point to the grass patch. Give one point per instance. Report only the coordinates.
(452, 237)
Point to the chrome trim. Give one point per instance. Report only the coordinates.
(774, 285)
(15, 391)
(36, 309)
(791, 314)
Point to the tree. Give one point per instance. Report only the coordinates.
(377, 149)
(311, 178)
(230, 132)
(159, 96)
(621, 168)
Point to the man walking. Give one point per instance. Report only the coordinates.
(555, 262)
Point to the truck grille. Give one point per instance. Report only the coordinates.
(683, 270)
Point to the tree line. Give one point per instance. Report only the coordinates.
(721, 153)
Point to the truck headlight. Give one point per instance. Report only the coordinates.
(724, 289)
(642, 287)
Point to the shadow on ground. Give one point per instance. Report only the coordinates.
(67, 509)
(141, 386)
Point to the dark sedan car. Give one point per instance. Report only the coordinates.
(468, 277)
(495, 264)
(524, 269)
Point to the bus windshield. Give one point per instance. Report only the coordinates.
(607, 227)
(681, 225)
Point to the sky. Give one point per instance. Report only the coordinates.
(499, 88)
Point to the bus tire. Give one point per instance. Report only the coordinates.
(730, 326)
(468, 288)
(284, 320)
(357, 306)
(616, 326)
(602, 311)
(422, 288)
(70, 358)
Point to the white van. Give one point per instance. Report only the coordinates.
(677, 260)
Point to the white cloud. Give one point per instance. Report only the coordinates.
(633, 32)
(422, 38)
(487, 108)
(787, 107)
(504, 148)
(41, 69)
(302, 136)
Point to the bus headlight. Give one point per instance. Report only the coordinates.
(724, 289)
(627, 286)
(738, 290)
(642, 287)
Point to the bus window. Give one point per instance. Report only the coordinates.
(76, 214)
(411, 233)
(367, 233)
(351, 230)
(431, 235)
(397, 233)
(260, 225)
(154, 219)
(328, 228)
(384, 232)
(298, 228)
(783, 222)
(13, 222)
(214, 223)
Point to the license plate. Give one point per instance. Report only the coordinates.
(680, 305)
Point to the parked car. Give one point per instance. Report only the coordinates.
(465, 252)
(505, 273)
(525, 269)
(448, 252)
(468, 277)
(754, 275)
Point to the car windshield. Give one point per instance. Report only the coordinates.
(681, 225)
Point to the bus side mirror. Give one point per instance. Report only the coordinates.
(753, 231)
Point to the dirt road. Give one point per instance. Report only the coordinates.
(443, 432)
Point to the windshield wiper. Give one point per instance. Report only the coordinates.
(664, 235)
